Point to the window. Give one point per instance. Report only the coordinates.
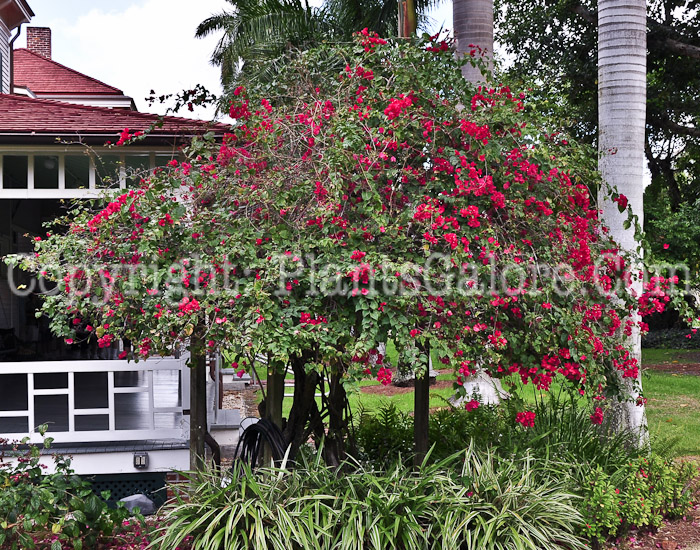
(137, 167)
(45, 172)
(108, 168)
(57, 172)
(77, 171)
(15, 170)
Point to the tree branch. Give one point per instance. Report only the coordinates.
(588, 15)
(673, 45)
(668, 124)
(682, 48)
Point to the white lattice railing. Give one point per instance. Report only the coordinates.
(147, 374)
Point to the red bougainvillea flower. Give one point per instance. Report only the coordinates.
(526, 418)
(384, 376)
(621, 201)
(597, 416)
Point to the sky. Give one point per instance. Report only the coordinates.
(143, 45)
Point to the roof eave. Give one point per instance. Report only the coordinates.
(98, 139)
(15, 13)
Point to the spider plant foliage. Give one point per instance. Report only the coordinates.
(257, 33)
(469, 501)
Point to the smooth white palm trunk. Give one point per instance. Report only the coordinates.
(621, 120)
(473, 28)
(473, 25)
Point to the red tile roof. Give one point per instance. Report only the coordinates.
(40, 117)
(44, 76)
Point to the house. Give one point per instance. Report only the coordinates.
(123, 420)
(35, 74)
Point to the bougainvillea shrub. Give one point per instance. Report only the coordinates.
(370, 193)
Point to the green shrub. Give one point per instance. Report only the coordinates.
(672, 338)
(471, 500)
(451, 429)
(639, 495)
(53, 509)
(384, 435)
(620, 484)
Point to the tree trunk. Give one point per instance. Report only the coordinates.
(408, 19)
(302, 413)
(622, 112)
(198, 408)
(421, 416)
(275, 394)
(473, 28)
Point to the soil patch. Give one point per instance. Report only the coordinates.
(683, 534)
(677, 368)
(393, 390)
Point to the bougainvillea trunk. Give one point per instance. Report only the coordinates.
(275, 395)
(304, 409)
(198, 407)
(622, 112)
(337, 406)
(421, 399)
(473, 29)
(421, 409)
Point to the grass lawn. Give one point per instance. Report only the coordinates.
(673, 407)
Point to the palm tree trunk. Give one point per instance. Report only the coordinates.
(408, 19)
(622, 113)
(473, 26)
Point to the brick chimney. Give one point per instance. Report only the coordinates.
(39, 41)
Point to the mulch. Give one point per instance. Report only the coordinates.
(394, 390)
(683, 534)
(676, 368)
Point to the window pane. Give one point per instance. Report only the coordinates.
(77, 172)
(163, 160)
(91, 390)
(51, 410)
(51, 380)
(108, 170)
(13, 392)
(131, 411)
(14, 425)
(15, 171)
(45, 172)
(137, 168)
(90, 422)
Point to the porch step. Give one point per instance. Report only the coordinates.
(232, 372)
(227, 419)
(231, 381)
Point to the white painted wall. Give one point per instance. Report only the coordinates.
(5, 55)
(122, 462)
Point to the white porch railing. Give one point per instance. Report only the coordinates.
(144, 419)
